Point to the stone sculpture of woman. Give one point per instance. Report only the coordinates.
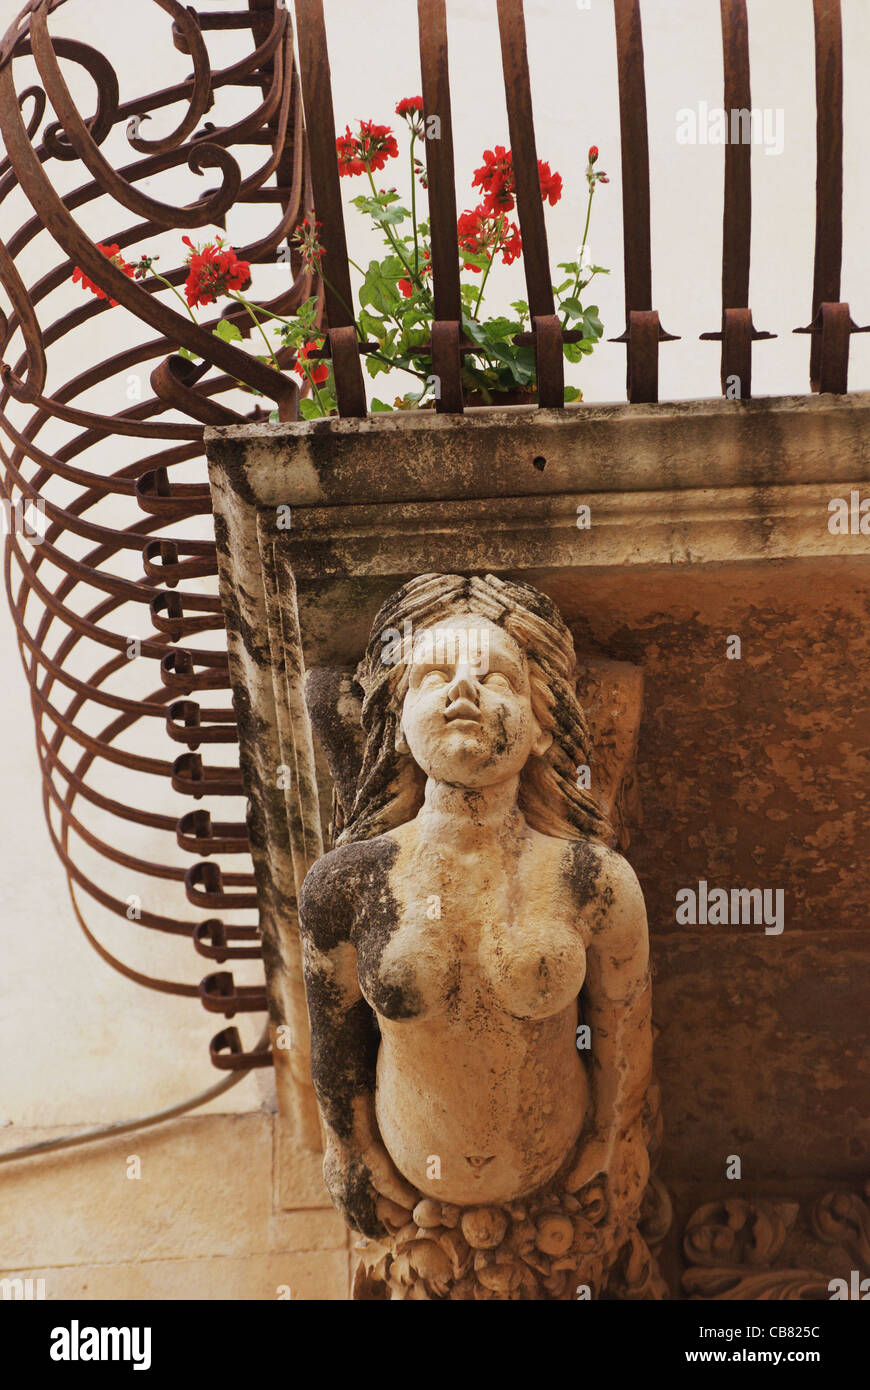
(469, 936)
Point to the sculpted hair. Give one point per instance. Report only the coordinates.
(390, 786)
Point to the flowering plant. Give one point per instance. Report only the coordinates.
(395, 296)
(396, 304)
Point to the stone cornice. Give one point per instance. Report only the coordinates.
(526, 452)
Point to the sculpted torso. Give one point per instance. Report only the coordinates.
(476, 991)
(468, 935)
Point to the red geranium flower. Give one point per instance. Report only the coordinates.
(347, 147)
(369, 149)
(594, 175)
(409, 106)
(113, 254)
(512, 246)
(495, 178)
(316, 371)
(307, 238)
(470, 231)
(551, 184)
(486, 233)
(213, 270)
(406, 288)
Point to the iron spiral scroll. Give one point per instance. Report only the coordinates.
(112, 577)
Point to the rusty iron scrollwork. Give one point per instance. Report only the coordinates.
(117, 537)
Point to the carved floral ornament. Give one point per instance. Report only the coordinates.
(736, 1248)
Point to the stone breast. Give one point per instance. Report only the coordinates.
(451, 957)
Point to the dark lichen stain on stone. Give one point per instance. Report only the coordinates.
(376, 918)
(351, 1189)
(234, 462)
(346, 898)
(582, 868)
(341, 739)
(453, 990)
(500, 739)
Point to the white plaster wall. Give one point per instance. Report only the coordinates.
(79, 1044)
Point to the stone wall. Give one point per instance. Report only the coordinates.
(225, 1207)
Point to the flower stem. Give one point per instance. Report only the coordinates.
(582, 249)
(482, 287)
(257, 324)
(414, 207)
(313, 384)
(344, 305)
(392, 240)
(500, 230)
(169, 285)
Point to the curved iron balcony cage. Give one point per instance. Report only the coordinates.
(67, 593)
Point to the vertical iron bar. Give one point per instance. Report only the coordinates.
(827, 24)
(446, 327)
(320, 130)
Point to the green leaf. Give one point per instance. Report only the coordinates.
(392, 216)
(380, 208)
(500, 330)
(375, 367)
(306, 318)
(575, 352)
(414, 314)
(379, 406)
(381, 199)
(592, 325)
(227, 332)
(309, 409)
(186, 353)
(379, 286)
(371, 326)
(475, 331)
(572, 307)
(572, 394)
(512, 358)
(474, 258)
(414, 340)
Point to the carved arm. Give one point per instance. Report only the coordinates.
(617, 1008)
(344, 1052)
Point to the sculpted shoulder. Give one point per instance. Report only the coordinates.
(338, 883)
(605, 887)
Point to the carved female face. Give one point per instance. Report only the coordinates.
(467, 716)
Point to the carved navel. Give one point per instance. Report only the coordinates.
(478, 1164)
